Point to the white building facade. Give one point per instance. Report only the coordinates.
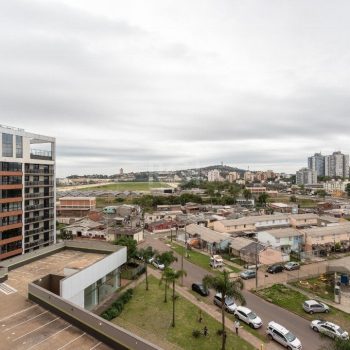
(306, 176)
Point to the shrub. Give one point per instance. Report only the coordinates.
(219, 332)
(196, 333)
(118, 305)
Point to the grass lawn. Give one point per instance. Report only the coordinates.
(292, 300)
(147, 312)
(200, 259)
(127, 186)
(318, 286)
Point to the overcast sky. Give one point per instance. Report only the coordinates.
(148, 85)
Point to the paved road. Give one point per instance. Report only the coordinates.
(267, 311)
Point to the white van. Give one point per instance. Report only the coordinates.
(216, 261)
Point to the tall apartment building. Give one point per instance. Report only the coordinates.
(337, 164)
(306, 176)
(27, 191)
(233, 176)
(317, 163)
(214, 175)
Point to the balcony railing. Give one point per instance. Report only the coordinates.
(39, 206)
(39, 183)
(40, 154)
(2, 224)
(37, 243)
(38, 218)
(38, 195)
(38, 230)
(39, 171)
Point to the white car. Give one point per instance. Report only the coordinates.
(248, 316)
(330, 329)
(229, 306)
(283, 336)
(158, 264)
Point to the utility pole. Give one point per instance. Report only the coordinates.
(256, 266)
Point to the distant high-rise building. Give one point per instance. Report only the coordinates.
(306, 176)
(27, 192)
(233, 176)
(337, 165)
(214, 175)
(121, 172)
(317, 163)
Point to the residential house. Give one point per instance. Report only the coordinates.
(303, 220)
(75, 206)
(206, 238)
(261, 254)
(134, 233)
(161, 226)
(286, 239)
(161, 215)
(86, 228)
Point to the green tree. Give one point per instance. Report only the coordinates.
(145, 254)
(166, 278)
(130, 245)
(321, 193)
(347, 189)
(262, 199)
(173, 276)
(228, 288)
(247, 194)
(338, 344)
(167, 258)
(293, 199)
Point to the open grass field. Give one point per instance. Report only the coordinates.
(318, 286)
(292, 300)
(199, 259)
(127, 186)
(148, 313)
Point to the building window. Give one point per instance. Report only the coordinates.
(7, 145)
(19, 146)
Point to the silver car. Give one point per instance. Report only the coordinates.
(314, 306)
(330, 329)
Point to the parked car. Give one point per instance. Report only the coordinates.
(158, 264)
(248, 316)
(292, 265)
(330, 329)
(200, 289)
(247, 274)
(275, 268)
(230, 305)
(312, 306)
(283, 336)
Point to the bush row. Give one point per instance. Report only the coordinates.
(118, 305)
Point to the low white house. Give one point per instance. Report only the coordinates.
(286, 239)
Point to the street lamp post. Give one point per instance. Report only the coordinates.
(256, 266)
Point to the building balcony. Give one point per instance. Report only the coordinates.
(31, 171)
(40, 154)
(11, 200)
(37, 243)
(38, 183)
(11, 213)
(39, 207)
(38, 218)
(11, 253)
(39, 195)
(11, 226)
(38, 231)
(11, 239)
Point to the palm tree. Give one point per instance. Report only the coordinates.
(247, 194)
(145, 254)
(173, 276)
(228, 288)
(166, 277)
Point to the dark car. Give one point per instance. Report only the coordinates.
(275, 268)
(200, 289)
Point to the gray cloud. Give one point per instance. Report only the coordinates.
(177, 84)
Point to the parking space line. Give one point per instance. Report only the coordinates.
(73, 340)
(18, 324)
(34, 330)
(33, 346)
(95, 346)
(16, 313)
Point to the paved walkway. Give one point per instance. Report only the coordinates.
(213, 311)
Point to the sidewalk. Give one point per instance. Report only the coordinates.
(213, 311)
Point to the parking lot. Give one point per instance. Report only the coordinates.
(26, 325)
